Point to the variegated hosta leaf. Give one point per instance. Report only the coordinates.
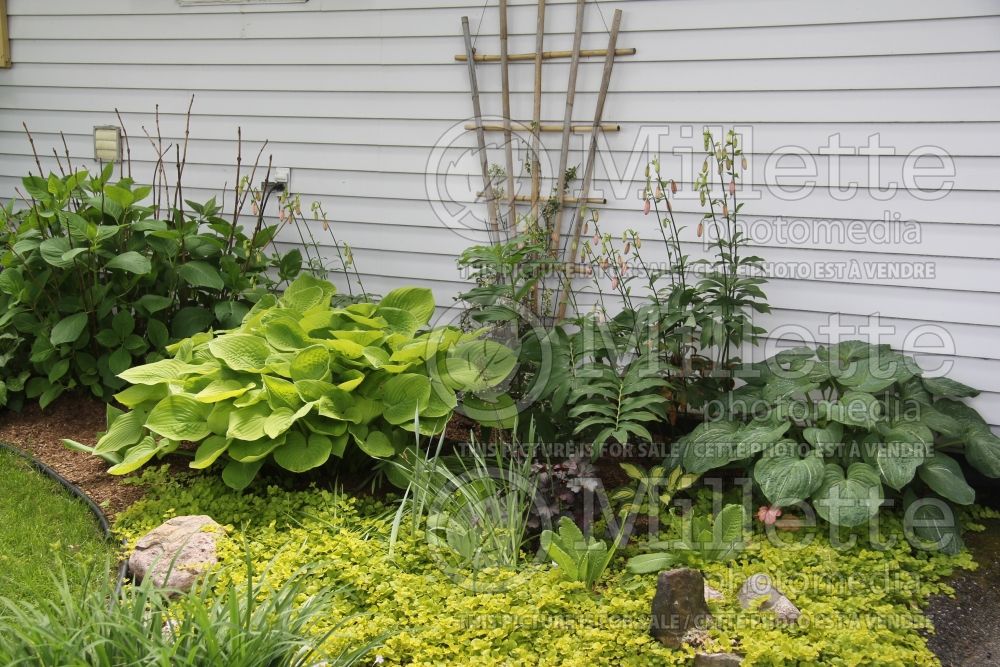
(944, 476)
(851, 498)
(784, 477)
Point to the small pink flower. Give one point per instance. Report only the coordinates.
(614, 283)
(595, 239)
(256, 210)
(768, 515)
(732, 187)
(645, 207)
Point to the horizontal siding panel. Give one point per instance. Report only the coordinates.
(957, 139)
(824, 74)
(355, 16)
(893, 302)
(969, 35)
(962, 340)
(970, 173)
(964, 207)
(779, 106)
(935, 240)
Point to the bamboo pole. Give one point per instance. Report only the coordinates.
(546, 127)
(546, 55)
(480, 135)
(505, 88)
(567, 122)
(588, 174)
(4, 36)
(536, 117)
(565, 200)
(571, 200)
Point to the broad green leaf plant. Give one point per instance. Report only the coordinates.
(580, 558)
(703, 539)
(95, 278)
(299, 382)
(845, 427)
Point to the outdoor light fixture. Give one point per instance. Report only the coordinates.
(107, 143)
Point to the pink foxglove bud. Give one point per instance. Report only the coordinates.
(645, 207)
(673, 186)
(614, 283)
(732, 187)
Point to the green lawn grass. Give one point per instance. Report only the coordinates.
(43, 529)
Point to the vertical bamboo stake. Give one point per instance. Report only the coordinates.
(567, 123)
(480, 136)
(588, 173)
(536, 166)
(505, 91)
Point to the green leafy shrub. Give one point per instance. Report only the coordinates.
(93, 280)
(689, 329)
(651, 491)
(255, 625)
(703, 539)
(300, 381)
(579, 558)
(618, 406)
(842, 425)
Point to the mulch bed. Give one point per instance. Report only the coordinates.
(76, 417)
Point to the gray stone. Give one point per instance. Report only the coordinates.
(717, 660)
(760, 586)
(679, 608)
(712, 594)
(177, 552)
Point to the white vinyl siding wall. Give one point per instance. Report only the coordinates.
(353, 94)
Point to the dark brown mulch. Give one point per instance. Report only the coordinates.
(965, 626)
(76, 417)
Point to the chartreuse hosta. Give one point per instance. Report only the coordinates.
(300, 381)
(846, 427)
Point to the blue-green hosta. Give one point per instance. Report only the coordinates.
(846, 426)
(300, 381)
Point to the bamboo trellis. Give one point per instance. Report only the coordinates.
(570, 239)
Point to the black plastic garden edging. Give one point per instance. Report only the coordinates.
(102, 519)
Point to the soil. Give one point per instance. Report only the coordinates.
(76, 417)
(966, 624)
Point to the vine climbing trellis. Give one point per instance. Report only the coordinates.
(563, 241)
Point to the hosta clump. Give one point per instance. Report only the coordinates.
(300, 381)
(846, 425)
